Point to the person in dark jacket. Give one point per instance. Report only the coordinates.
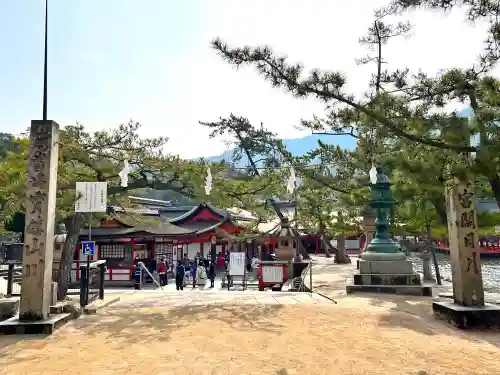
(137, 274)
(211, 273)
(193, 273)
(179, 276)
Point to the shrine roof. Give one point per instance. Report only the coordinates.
(195, 211)
(135, 224)
(202, 225)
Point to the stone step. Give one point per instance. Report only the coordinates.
(386, 267)
(387, 279)
(411, 290)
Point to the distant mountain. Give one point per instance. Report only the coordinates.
(296, 146)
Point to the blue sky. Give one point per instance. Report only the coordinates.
(115, 60)
(94, 49)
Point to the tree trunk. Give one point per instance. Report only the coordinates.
(302, 249)
(73, 226)
(440, 207)
(494, 181)
(326, 246)
(341, 255)
(321, 232)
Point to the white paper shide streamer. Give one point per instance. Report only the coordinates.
(373, 174)
(208, 182)
(124, 173)
(290, 187)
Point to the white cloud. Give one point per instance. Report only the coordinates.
(319, 33)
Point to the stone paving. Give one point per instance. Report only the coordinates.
(142, 299)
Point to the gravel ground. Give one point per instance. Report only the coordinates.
(356, 336)
(214, 333)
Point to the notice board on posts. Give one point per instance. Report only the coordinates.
(237, 264)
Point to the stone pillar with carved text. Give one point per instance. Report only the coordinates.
(40, 220)
(464, 247)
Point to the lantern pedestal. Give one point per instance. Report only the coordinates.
(387, 273)
(383, 267)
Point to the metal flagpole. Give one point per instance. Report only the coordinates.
(45, 64)
(92, 192)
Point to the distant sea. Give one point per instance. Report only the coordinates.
(489, 268)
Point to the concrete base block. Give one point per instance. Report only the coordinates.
(408, 290)
(387, 279)
(9, 307)
(467, 317)
(14, 326)
(370, 255)
(53, 293)
(386, 267)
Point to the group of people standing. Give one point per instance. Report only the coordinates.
(197, 271)
(202, 269)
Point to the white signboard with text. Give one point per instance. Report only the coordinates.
(272, 274)
(237, 264)
(91, 196)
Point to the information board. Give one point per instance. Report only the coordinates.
(237, 264)
(272, 274)
(91, 196)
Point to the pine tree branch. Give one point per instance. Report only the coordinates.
(324, 86)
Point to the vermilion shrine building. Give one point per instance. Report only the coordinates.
(148, 233)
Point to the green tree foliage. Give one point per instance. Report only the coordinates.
(401, 122)
(268, 164)
(98, 156)
(263, 177)
(7, 144)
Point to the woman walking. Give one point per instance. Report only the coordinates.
(201, 275)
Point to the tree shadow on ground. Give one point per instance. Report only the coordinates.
(415, 313)
(146, 324)
(9, 340)
(125, 326)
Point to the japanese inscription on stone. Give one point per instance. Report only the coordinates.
(463, 239)
(467, 221)
(40, 146)
(40, 218)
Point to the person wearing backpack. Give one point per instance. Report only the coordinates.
(201, 275)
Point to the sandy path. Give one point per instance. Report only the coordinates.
(357, 336)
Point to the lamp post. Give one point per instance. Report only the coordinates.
(381, 247)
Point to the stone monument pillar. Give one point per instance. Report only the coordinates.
(40, 220)
(468, 308)
(464, 252)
